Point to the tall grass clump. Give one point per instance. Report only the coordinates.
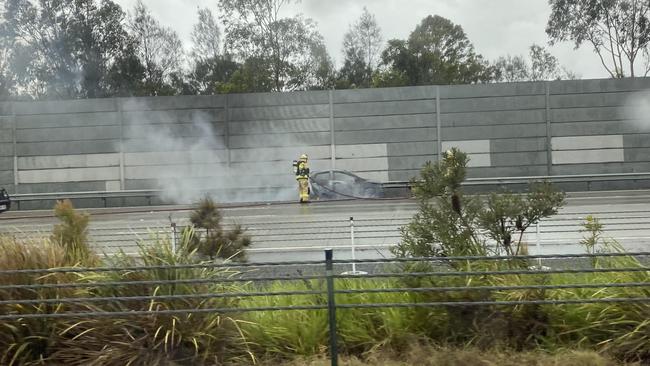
(283, 335)
(157, 339)
(27, 341)
(72, 233)
(621, 329)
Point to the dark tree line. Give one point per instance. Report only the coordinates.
(66, 49)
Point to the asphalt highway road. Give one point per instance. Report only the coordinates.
(290, 231)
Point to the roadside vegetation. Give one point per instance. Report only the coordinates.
(570, 334)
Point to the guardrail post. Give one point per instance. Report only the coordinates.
(174, 237)
(331, 306)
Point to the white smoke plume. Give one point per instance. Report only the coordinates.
(189, 161)
(637, 111)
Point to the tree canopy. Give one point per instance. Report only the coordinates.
(437, 52)
(95, 48)
(617, 30)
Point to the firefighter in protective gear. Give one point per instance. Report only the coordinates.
(301, 169)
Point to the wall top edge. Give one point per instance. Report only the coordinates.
(447, 91)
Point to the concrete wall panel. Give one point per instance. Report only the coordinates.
(176, 102)
(427, 148)
(165, 144)
(637, 154)
(174, 171)
(173, 116)
(492, 90)
(384, 94)
(588, 156)
(385, 122)
(279, 112)
(601, 168)
(67, 120)
(280, 126)
(588, 114)
(172, 131)
(60, 187)
(66, 106)
(6, 149)
(589, 100)
(385, 108)
(6, 178)
(275, 99)
(490, 132)
(175, 157)
(598, 86)
(518, 158)
(493, 118)
(68, 161)
(587, 142)
(68, 134)
(361, 151)
(288, 153)
(468, 146)
(525, 102)
(279, 140)
(594, 128)
(519, 171)
(68, 175)
(7, 163)
(385, 136)
(407, 162)
(402, 175)
(6, 122)
(67, 147)
(363, 164)
(637, 140)
(6, 135)
(531, 144)
(6, 108)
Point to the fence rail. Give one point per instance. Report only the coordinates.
(20, 299)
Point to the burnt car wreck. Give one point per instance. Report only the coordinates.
(341, 184)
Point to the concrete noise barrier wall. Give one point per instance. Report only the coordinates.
(243, 144)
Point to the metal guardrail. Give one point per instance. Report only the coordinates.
(150, 194)
(103, 195)
(330, 297)
(587, 178)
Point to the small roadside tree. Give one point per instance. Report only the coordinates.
(215, 242)
(449, 223)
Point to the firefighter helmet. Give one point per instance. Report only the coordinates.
(303, 157)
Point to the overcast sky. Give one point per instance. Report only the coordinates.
(495, 27)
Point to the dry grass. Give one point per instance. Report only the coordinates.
(435, 356)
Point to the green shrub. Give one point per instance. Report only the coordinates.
(215, 242)
(450, 223)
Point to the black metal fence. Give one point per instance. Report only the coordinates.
(328, 271)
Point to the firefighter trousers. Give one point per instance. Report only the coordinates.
(303, 189)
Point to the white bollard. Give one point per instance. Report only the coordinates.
(539, 246)
(354, 257)
(174, 237)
